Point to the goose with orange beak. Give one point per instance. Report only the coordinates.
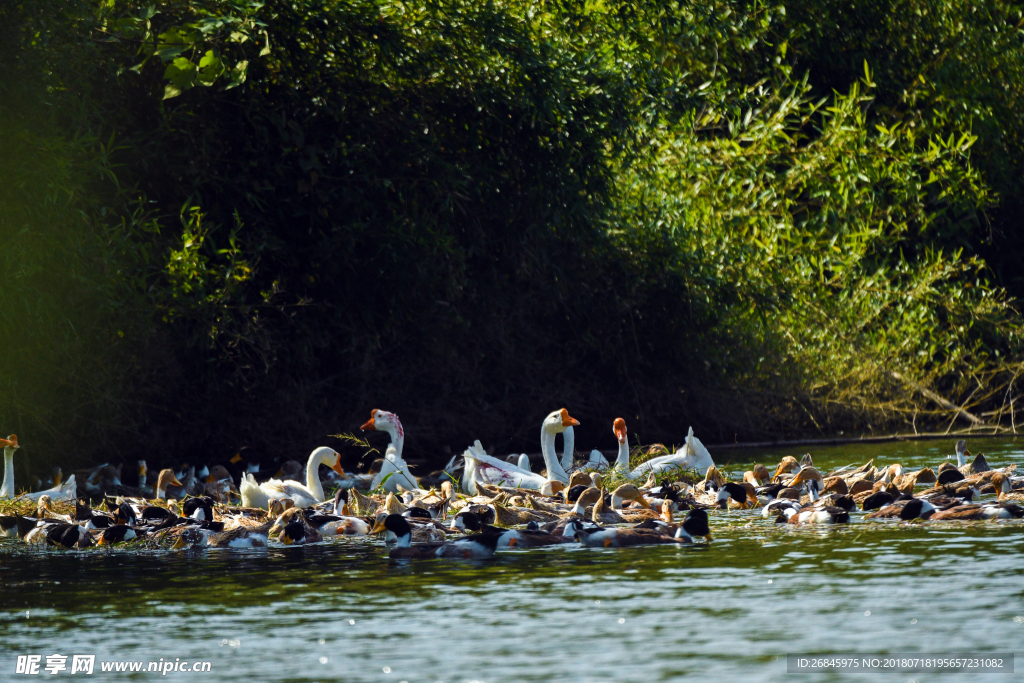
(10, 445)
(303, 495)
(486, 469)
(394, 471)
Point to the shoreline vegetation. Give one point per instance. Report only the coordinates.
(238, 225)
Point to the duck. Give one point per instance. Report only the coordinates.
(396, 529)
(694, 525)
(998, 510)
(340, 523)
(394, 469)
(299, 533)
(1004, 489)
(692, 455)
(759, 476)
(163, 480)
(239, 537)
(906, 509)
(117, 533)
(490, 470)
(259, 495)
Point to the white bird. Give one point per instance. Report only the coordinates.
(568, 447)
(486, 469)
(394, 465)
(10, 445)
(67, 490)
(259, 495)
(691, 456)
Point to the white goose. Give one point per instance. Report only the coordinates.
(59, 493)
(10, 445)
(383, 421)
(486, 469)
(691, 456)
(259, 495)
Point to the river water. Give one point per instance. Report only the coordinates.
(733, 610)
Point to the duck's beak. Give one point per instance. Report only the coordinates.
(178, 544)
(5, 443)
(101, 541)
(370, 424)
(512, 542)
(337, 467)
(378, 527)
(285, 540)
(236, 459)
(174, 481)
(568, 421)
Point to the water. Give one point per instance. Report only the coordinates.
(341, 611)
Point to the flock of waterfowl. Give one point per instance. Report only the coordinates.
(495, 504)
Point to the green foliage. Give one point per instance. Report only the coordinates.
(728, 214)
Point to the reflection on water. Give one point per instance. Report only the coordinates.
(341, 611)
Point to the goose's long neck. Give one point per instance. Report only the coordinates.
(960, 459)
(568, 447)
(622, 460)
(7, 490)
(547, 449)
(313, 475)
(397, 438)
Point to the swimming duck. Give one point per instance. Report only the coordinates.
(299, 533)
(694, 525)
(239, 537)
(1004, 489)
(118, 533)
(259, 495)
(396, 528)
(906, 509)
(997, 510)
(490, 470)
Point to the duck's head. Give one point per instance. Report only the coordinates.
(394, 527)
(589, 496)
(215, 473)
(695, 525)
(447, 492)
(284, 519)
(293, 532)
(43, 505)
(277, 506)
(762, 474)
(628, 492)
(558, 421)
(573, 528)
(787, 464)
(191, 537)
(1002, 484)
(619, 428)
(383, 421)
(552, 487)
(341, 503)
(10, 443)
(166, 478)
(595, 479)
(737, 492)
(580, 479)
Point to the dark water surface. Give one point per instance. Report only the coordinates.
(341, 611)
